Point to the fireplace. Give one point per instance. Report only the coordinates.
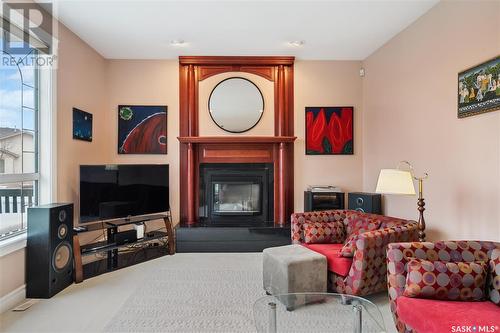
(236, 194)
(229, 198)
(275, 148)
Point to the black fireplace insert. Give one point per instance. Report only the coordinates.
(236, 193)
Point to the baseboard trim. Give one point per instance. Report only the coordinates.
(12, 299)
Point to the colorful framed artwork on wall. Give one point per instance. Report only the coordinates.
(142, 129)
(329, 130)
(82, 125)
(479, 89)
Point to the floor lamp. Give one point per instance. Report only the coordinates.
(400, 181)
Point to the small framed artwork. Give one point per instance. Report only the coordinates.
(479, 89)
(142, 129)
(329, 130)
(82, 125)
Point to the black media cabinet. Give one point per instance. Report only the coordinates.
(317, 201)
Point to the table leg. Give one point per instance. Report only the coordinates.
(358, 317)
(170, 234)
(110, 235)
(77, 256)
(272, 317)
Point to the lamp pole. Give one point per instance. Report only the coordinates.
(420, 202)
(421, 208)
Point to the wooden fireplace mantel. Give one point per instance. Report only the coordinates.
(236, 139)
(237, 60)
(276, 149)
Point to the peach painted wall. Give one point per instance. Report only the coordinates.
(12, 268)
(145, 82)
(410, 101)
(207, 125)
(327, 83)
(81, 83)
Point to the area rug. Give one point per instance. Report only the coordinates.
(215, 292)
(211, 293)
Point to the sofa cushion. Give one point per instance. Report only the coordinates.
(355, 225)
(324, 232)
(392, 222)
(495, 277)
(436, 316)
(336, 263)
(298, 220)
(456, 281)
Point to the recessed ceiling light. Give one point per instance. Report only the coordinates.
(296, 43)
(177, 42)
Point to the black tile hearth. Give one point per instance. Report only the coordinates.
(203, 238)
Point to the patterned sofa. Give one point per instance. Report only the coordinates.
(362, 272)
(456, 297)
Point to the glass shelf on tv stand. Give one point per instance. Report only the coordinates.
(109, 224)
(103, 246)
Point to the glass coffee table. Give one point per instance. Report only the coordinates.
(316, 312)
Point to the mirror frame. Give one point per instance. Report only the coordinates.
(261, 96)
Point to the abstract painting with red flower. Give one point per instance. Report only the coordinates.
(329, 130)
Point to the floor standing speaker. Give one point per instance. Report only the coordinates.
(49, 251)
(365, 202)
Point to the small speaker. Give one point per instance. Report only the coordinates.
(365, 202)
(49, 251)
(124, 237)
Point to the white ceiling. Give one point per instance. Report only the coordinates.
(340, 30)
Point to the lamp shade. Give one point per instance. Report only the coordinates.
(394, 181)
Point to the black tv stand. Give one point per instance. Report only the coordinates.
(111, 248)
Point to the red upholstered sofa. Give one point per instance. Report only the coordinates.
(423, 315)
(365, 272)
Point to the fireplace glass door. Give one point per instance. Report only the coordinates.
(236, 198)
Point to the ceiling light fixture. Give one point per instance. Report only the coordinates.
(177, 42)
(296, 43)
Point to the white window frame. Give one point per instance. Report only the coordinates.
(47, 178)
(47, 149)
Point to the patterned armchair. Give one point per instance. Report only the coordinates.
(365, 272)
(439, 315)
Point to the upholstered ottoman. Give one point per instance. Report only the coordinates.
(293, 269)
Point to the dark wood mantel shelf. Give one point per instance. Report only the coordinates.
(236, 139)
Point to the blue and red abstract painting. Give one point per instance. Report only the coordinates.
(329, 130)
(142, 129)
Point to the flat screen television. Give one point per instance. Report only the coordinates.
(118, 191)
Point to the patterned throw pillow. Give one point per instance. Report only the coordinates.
(454, 281)
(356, 225)
(495, 277)
(324, 232)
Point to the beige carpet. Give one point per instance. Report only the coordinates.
(211, 292)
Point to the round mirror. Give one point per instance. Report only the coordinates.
(236, 105)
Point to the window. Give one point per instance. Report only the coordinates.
(19, 141)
